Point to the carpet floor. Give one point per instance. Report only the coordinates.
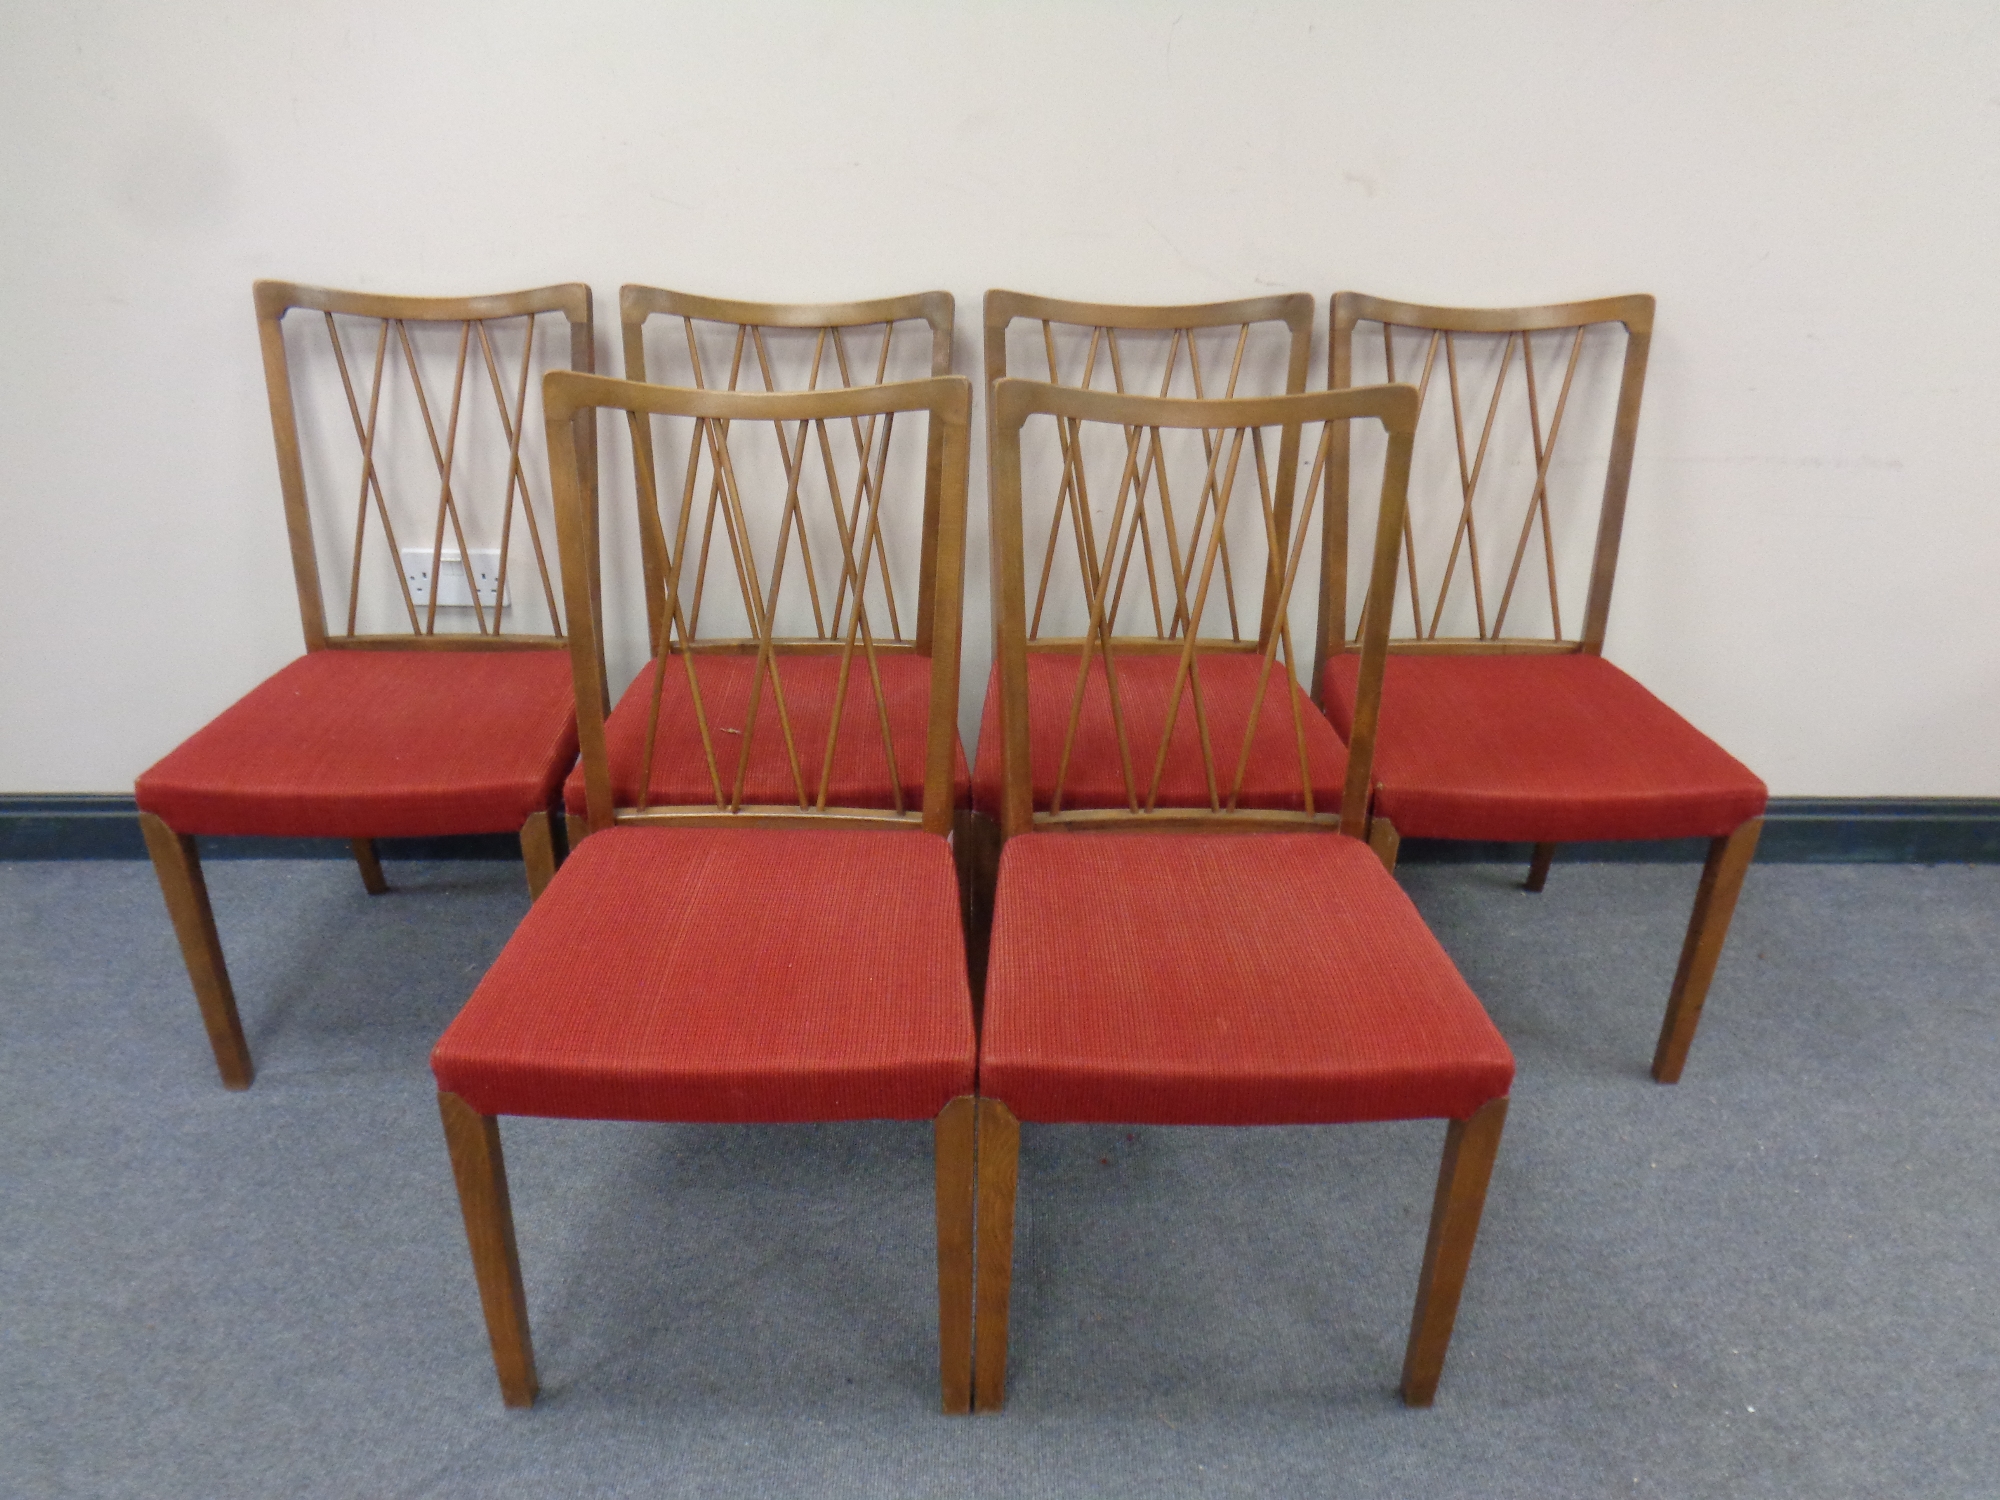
(1777, 1278)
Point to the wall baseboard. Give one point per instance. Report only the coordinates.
(1797, 830)
(106, 826)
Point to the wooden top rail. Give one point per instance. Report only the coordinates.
(1014, 401)
(637, 303)
(565, 393)
(1293, 309)
(1634, 311)
(570, 298)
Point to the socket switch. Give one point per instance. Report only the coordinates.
(454, 588)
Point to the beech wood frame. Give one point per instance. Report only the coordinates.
(474, 1138)
(1729, 855)
(1466, 1165)
(176, 857)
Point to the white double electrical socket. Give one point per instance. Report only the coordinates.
(454, 588)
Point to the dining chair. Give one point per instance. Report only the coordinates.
(1215, 962)
(434, 696)
(713, 343)
(1502, 720)
(1141, 581)
(690, 962)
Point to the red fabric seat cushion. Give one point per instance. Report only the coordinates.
(1145, 687)
(860, 766)
(1257, 979)
(726, 975)
(370, 744)
(1540, 748)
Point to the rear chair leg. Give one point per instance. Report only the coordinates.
(1469, 1146)
(372, 878)
(1538, 867)
(481, 1170)
(957, 1172)
(538, 852)
(178, 865)
(1714, 904)
(575, 827)
(1385, 841)
(999, 1163)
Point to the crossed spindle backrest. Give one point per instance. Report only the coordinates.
(849, 498)
(1523, 408)
(1239, 433)
(714, 343)
(1257, 346)
(423, 449)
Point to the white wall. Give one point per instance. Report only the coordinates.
(1810, 562)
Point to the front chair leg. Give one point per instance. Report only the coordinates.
(178, 864)
(957, 1170)
(538, 852)
(1538, 867)
(372, 879)
(999, 1163)
(481, 1170)
(1385, 841)
(1469, 1146)
(1714, 904)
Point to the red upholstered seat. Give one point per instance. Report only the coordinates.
(1145, 685)
(1540, 748)
(1223, 980)
(726, 975)
(369, 744)
(860, 768)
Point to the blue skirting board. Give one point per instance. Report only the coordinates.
(1797, 830)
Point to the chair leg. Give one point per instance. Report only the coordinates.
(1714, 904)
(372, 879)
(975, 842)
(999, 1162)
(574, 830)
(538, 852)
(481, 1170)
(1469, 1146)
(1385, 841)
(178, 865)
(1538, 867)
(957, 1172)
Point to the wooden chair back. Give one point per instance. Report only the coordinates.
(1233, 434)
(823, 463)
(718, 343)
(1526, 398)
(1220, 349)
(411, 416)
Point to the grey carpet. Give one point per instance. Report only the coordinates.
(1777, 1278)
